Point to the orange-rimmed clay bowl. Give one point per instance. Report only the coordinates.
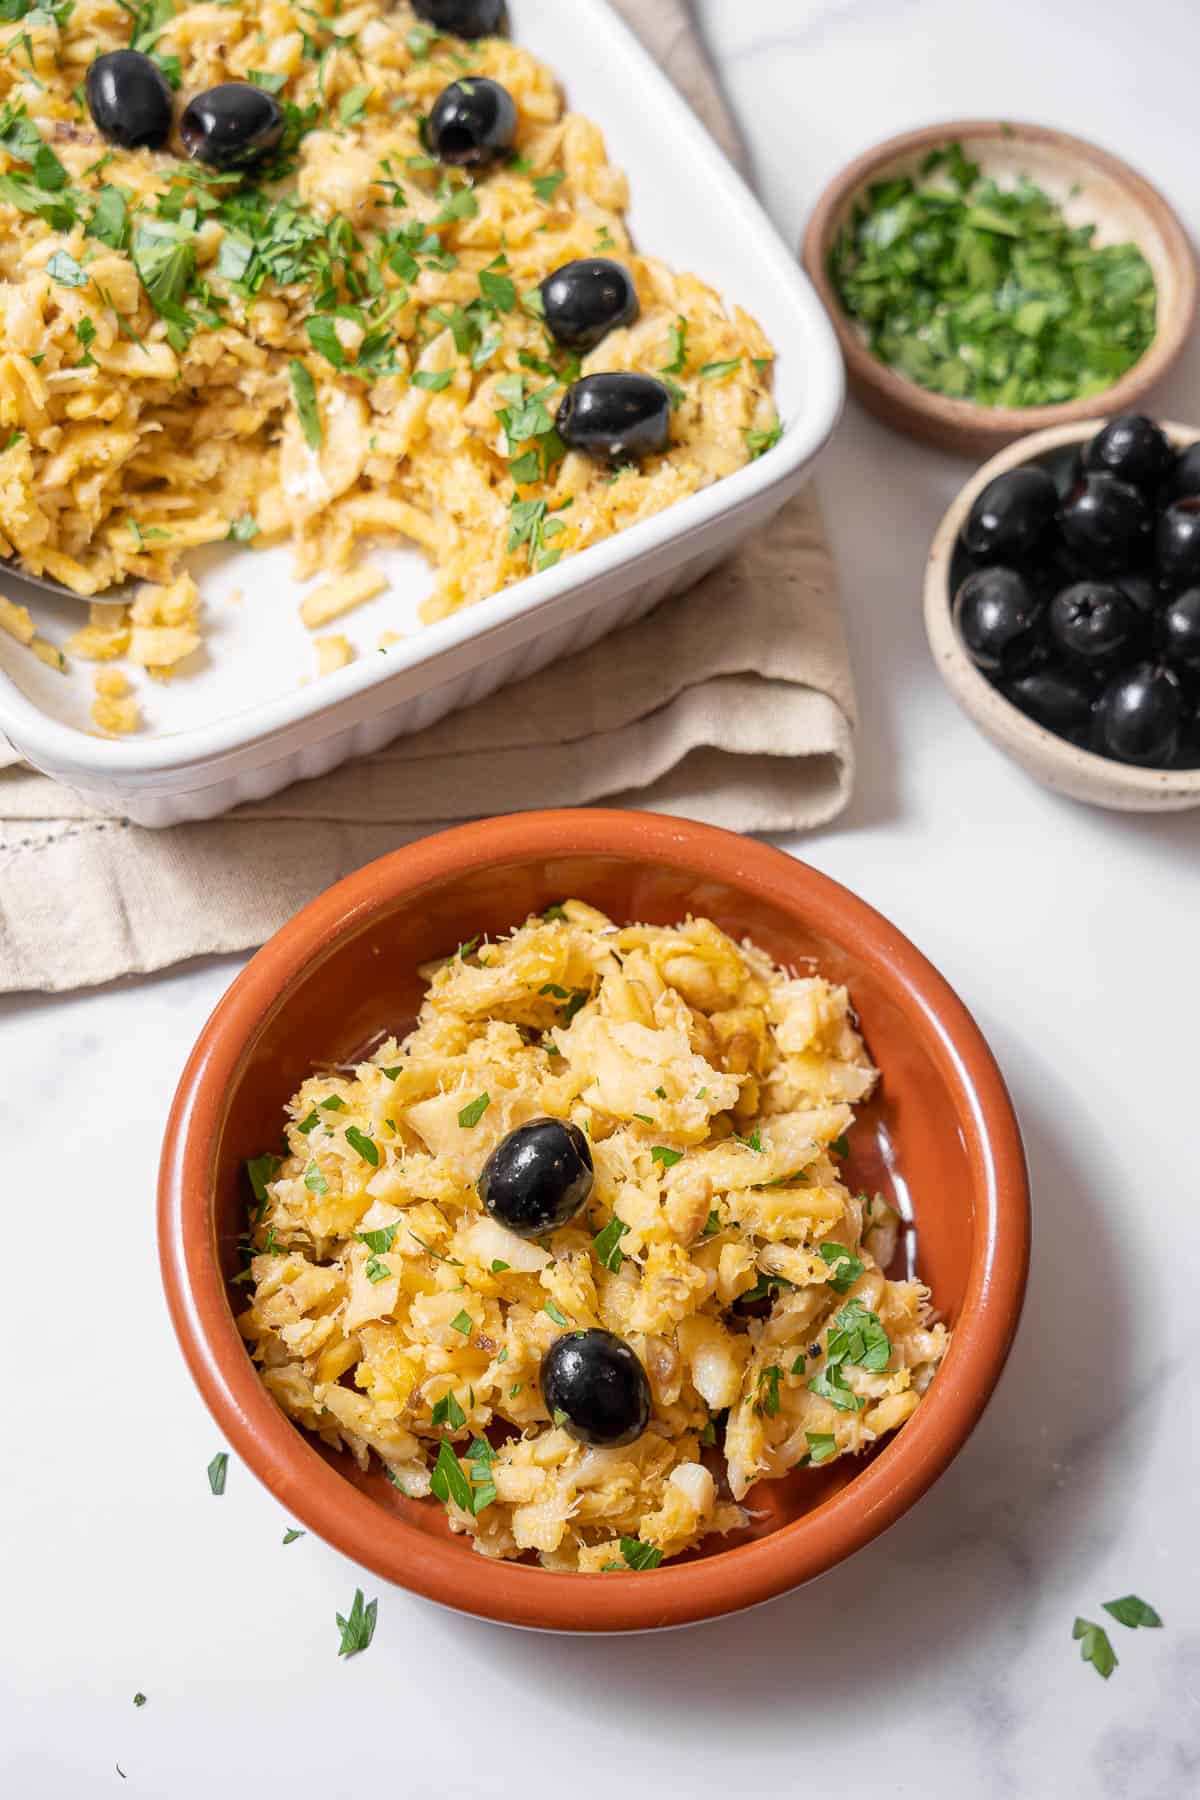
(940, 1139)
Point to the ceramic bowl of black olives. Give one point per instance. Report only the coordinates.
(1062, 605)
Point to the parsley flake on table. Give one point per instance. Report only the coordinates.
(139, 1699)
(1095, 1647)
(217, 1470)
(1132, 1612)
(292, 1533)
(359, 1627)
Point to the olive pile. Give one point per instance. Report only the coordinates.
(1077, 593)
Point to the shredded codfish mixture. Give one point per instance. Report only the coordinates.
(391, 1313)
(345, 346)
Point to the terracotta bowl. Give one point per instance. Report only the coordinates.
(1053, 761)
(940, 1139)
(1093, 186)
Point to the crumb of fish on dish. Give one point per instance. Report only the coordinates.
(390, 1313)
(339, 350)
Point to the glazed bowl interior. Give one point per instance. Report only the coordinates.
(939, 1141)
(1092, 187)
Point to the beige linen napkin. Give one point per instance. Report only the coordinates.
(733, 703)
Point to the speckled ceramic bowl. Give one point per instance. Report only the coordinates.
(1051, 760)
(939, 1139)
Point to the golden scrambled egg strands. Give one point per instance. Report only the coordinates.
(343, 348)
(391, 1313)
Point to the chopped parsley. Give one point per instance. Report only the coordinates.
(759, 442)
(217, 1470)
(768, 1390)
(546, 186)
(261, 1170)
(471, 1115)
(463, 1323)
(376, 1270)
(448, 1481)
(1132, 1612)
(720, 371)
(139, 1699)
(314, 1181)
(367, 1149)
(447, 1411)
(712, 1224)
(638, 1555)
(244, 530)
(292, 1533)
(845, 1267)
(607, 1244)
(660, 1153)
(304, 394)
(677, 348)
(554, 1312)
(822, 1447)
(753, 1142)
(1095, 1647)
(988, 293)
(359, 1627)
(63, 268)
(499, 1268)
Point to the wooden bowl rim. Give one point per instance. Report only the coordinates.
(983, 703)
(317, 1495)
(963, 422)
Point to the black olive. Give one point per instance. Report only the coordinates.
(1104, 521)
(1185, 474)
(1181, 631)
(1133, 449)
(1011, 519)
(463, 18)
(585, 300)
(596, 1381)
(538, 1177)
(618, 418)
(231, 125)
(997, 615)
(1094, 623)
(1059, 699)
(473, 123)
(1140, 716)
(1179, 543)
(1142, 591)
(130, 100)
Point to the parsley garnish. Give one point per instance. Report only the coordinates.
(244, 530)
(718, 371)
(314, 1181)
(668, 1158)
(447, 1411)
(768, 1389)
(304, 394)
(139, 1699)
(607, 1244)
(753, 1142)
(292, 1533)
(357, 1630)
(554, 1312)
(1095, 1647)
(463, 1323)
(448, 1481)
(261, 1170)
(368, 1150)
(1132, 1612)
(217, 1469)
(840, 1146)
(822, 1447)
(353, 104)
(677, 347)
(845, 1267)
(638, 1555)
(546, 186)
(712, 1224)
(471, 1115)
(381, 1241)
(500, 1268)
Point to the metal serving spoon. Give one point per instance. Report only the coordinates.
(121, 593)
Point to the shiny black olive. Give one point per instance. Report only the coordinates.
(1178, 543)
(473, 123)
(538, 1177)
(595, 1387)
(1140, 716)
(1181, 631)
(130, 100)
(231, 125)
(997, 615)
(1185, 474)
(463, 18)
(1094, 623)
(1013, 516)
(1104, 521)
(585, 300)
(618, 418)
(1059, 699)
(1133, 449)
(1142, 591)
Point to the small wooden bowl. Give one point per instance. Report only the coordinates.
(1093, 187)
(1049, 759)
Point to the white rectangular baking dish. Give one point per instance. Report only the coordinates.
(251, 721)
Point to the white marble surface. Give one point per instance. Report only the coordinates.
(940, 1660)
